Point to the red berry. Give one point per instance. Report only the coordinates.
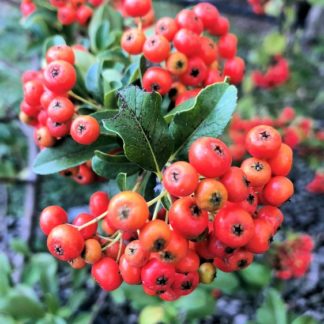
(65, 242)
(32, 92)
(128, 211)
(157, 275)
(207, 13)
(59, 77)
(51, 217)
(187, 218)
(258, 172)
(221, 27)
(167, 27)
(234, 69)
(187, 18)
(272, 215)
(156, 48)
(187, 42)
(180, 179)
(263, 141)
(281, 163)
(185, 284)
(278, 190)
(210, 157)
(60, 109)
(83, 15)
(137, 8)
(66, 15)
(233, 226)
(60, 53)
(133, 41)
(157, 79)
(88, 231)
(227, 46)
(85, 130)
(98, 203)
(196, 72)
(135, 254)
(106, 273)
(130, 274)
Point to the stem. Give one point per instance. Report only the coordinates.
(166, 217)
(119, 249)
(95, 220)
(88, 102)
(107, 238)
(157, 198)
(156, 210)
(119, 236)
(139, 181)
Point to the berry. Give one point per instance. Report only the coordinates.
(135, 254)
(60, 109)
(233, 226)
(130, 274)
(263, 142)
(258, 172)
(156, 48)
(166, 27)
(106, 273)
(157, 79)
(281, 163)
(196, 72)
(207, 13)
(51, 217)
(227, 46)
(180, 179)
(187, 42)
(187, 218)
(59, 77)
(210, 157)
(88, 231)
(137, 8)
(278, 190)
(128, 211)
(210, 195)
(98, 203)
(60, 53)
(187, 18)
(133, 41)
(65, 242)
(177, 63)
(85, 130)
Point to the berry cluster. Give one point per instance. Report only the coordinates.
(184, 58)
(277, 74)
(292, 257)
(258, 6)
(68, 11)
(47, 106)
(317, 184)
(214, 220)
(295, 130)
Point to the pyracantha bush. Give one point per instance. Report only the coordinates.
(292, 257)
(68, 11)
(276, 75)
(182, 210)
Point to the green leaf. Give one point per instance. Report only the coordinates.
(140, 124)
(226, 282)
(83, 60)
(304, 319)
(208, 116)
(274, 43)
(104, 20)
(125, 182)
(68, 154)
(22, 303)
(273, 309)
(104, 114)
(93, 82)
(18, 245)
(256, 274)
(52, 41)
(109, 166)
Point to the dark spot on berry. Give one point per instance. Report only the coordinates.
(215, 199)
(229, 250)
(246, 181)
(258, 166)
(55, 71)
(194, 73)
(217, 149)
(195, 210)
(179, 64)
(67, 173)
(238, 229)
(167, 256)
(175, 176)
(58, 250)
(242, 263)
(129, 37)
(161, 281)
(155, 87)
(250, 199)
(81, 128)
(158, 245)
(124, 212)
(265, 135)
(186, 285)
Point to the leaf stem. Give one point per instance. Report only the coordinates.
(156, 210)
(88, 102)
(117, 238)
(93, 221)
(157, 198)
